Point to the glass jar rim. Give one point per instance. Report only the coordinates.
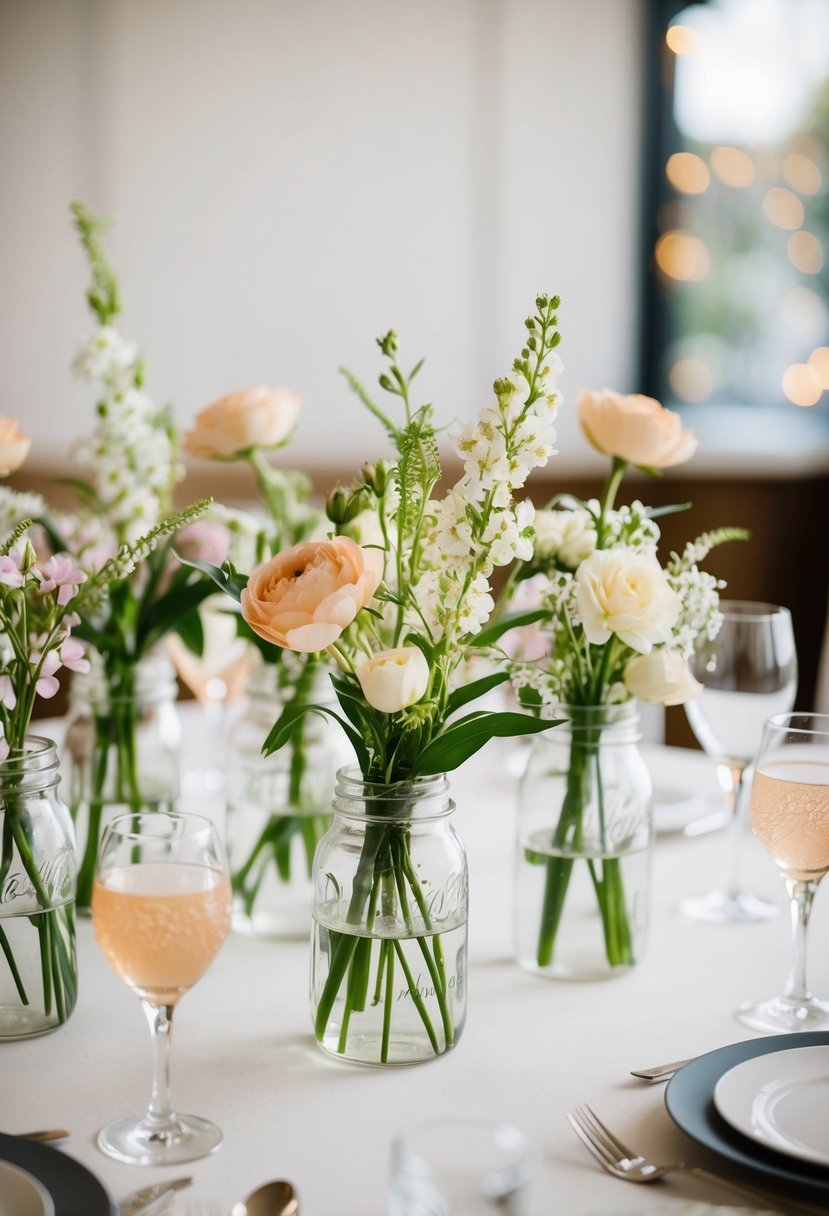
(418, 798)
(190, 823)
(33, 768)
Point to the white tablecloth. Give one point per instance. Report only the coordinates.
(532, 1049)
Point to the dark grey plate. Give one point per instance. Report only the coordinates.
(74, 1190)
(690, 1102)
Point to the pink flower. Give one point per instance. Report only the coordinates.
(61, 571)
(72, 656)
(10, 573)
(47, 685)
(8, 696)
(205, 542)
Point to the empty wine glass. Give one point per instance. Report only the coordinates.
(790, 817)
(161, 911)
(749, 672)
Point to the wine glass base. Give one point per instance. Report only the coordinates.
(138, 1142)
(728, 908)
(783, 1016)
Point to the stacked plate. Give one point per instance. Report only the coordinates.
(36, 1180)
(763, 1105)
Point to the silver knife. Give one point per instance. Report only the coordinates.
(135, 1203)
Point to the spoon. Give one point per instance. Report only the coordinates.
(271, 1199)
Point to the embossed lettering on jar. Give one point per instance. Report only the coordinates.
(388, 967)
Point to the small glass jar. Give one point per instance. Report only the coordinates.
(388, 965)
(121, 751)
(583, 856)
(279, 806)
(38, 967)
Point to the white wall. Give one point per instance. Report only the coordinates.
(289, 179)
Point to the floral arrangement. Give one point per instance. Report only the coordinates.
(45, 604)
(616, 625)
(131, 467)
(246, 426)
(400, 615)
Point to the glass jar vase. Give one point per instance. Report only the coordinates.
(121, 751)
(38, 968)
(388, 965)
(279, 806)
(584, 842)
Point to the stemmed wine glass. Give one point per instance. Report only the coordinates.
(161, 911)
(749, 672)
(790, 817)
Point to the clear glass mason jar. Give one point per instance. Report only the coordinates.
(38, 967)
(584, 842)
(388, 961)
(122, 751)
(279, 806)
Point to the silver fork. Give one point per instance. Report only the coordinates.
(622, 1162)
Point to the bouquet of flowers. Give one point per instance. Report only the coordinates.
(46, 605)
(132, 468)
(617, 625)
(278, 808)
(399, 615)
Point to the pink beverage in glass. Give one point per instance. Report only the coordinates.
(790, 816)
(160, 925)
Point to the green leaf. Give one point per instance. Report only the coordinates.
(473, 690)
(490, 635)
(191, 632)
(164, 615)
(655, 512)
(226, 577)
(283, 728)
(463, 739)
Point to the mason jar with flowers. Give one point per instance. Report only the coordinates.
(619, 627)
(398, 617)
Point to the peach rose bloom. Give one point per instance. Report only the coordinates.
(304, 598)
(257, 417)
(14, 447)
(637, 429)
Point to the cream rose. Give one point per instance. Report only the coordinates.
(663, 677)
(637, 429)
(392, 680)
(304, 598)
(627, 594)
(568, 535)
(14, 447)
(258, 417)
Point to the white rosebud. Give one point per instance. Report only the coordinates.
(626, 593)
(662, 677)
(568, 535)
(392, 680)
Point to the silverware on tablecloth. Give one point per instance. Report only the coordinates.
(625, 1163)
(661, 1072)
(140, 1202)
(56, 1133)
(276, 1198)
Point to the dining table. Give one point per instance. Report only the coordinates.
(532, 1049)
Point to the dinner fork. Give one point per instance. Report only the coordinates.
(623, 1162)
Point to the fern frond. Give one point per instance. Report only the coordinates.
(103, 294)
(697, 550)
(357, 387)
(14, 536)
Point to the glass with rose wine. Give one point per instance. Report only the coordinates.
(748, 672)
(790, 817)
(161, 911)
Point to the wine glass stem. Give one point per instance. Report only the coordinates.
(160, 1020)
(731, 778)
(801, 894)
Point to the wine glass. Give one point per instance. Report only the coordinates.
(748, 673)
(790, 817)
(161, 911)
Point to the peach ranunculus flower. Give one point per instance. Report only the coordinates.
(14, 447)
(662, 677)
(305, 597)
(634, 428)
(626, 593)
(258, 417)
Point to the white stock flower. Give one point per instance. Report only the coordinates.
(569, 536)
(393, 680)
(661, 677)
(17, 505)
(107, 358)
(627, 594)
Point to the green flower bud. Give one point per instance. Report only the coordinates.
(28, 558)
(376, 476)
